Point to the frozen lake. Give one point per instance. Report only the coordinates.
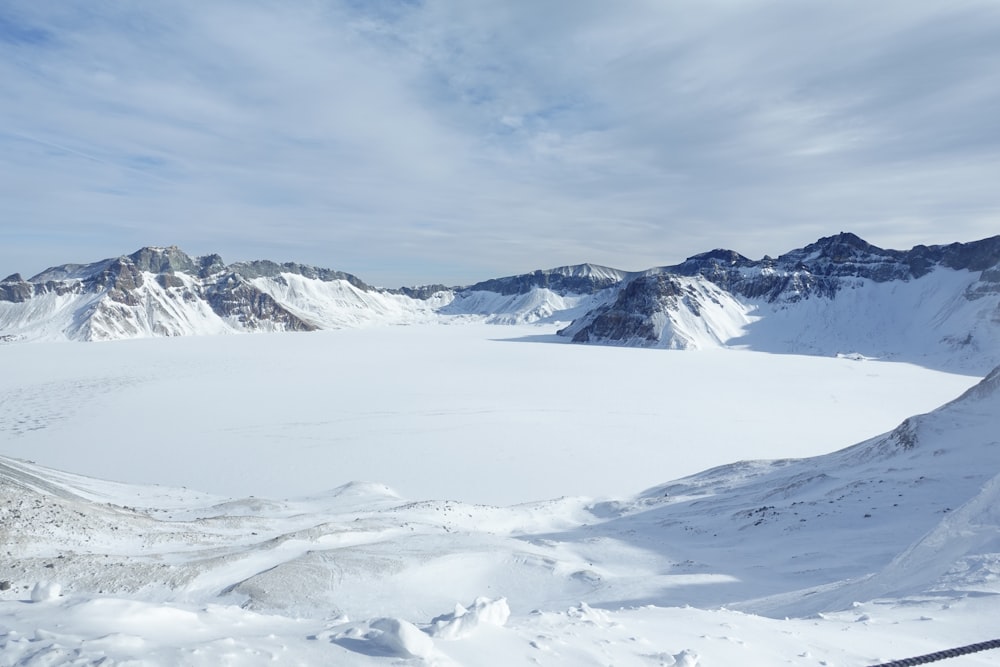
(478, 413)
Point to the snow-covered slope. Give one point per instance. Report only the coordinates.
(821, 527)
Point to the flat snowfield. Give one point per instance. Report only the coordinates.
(470, 412)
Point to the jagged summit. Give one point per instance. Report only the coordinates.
(843, 246)
(721, 255)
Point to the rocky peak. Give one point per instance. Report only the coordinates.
(721, 266)
(718, 256)
(843, 248)
(162, 260)
(172, 259)
(844, 244)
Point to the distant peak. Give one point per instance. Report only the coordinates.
(581, 270)
(841, 248)
(721, 255)
(845, 240)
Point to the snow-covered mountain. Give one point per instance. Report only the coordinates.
(164, 292)
(934, 305)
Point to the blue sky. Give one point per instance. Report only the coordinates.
(453, 141)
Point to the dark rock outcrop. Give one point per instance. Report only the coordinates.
(235, 298)
(630, 316)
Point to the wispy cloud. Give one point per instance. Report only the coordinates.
(450, 141)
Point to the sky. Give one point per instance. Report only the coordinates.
(447, 141)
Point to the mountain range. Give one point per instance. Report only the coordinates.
(935, 305)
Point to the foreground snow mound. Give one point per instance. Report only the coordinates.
(44, 591)
(383, 637)
(463, 621)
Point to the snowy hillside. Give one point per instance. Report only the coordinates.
(892, 541)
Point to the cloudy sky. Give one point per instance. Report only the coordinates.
(419, 141)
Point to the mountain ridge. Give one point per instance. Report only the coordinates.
(810, 300)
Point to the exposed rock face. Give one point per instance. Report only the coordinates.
(234, 297)
(15, 289)
(630, 317)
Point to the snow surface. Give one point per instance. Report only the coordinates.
(883, 550)
(511, 413)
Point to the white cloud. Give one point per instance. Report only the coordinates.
(446, 141)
